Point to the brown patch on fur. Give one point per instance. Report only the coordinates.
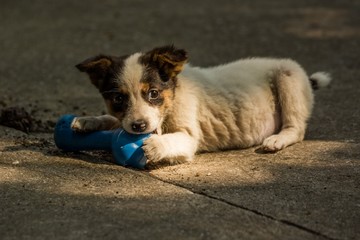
(171, 67)
(287, 73)
(122, 89)
(118, 115)
(144, 87)
(168, 60)
(108, 106)
(168, 96)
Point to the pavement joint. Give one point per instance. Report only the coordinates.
(283, 221)
(308, 191)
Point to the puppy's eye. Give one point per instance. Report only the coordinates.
(153, 94)
(118, 98)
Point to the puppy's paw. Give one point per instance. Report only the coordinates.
(86, 124)
(154, 148)
(274, 143)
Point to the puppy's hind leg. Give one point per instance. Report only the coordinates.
(295, 98)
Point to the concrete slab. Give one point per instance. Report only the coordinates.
(47, 194)
(308, 191)
(312, 186)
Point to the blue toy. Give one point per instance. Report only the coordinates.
(126, 147)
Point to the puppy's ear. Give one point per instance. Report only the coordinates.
(97, 68)
(168, 60)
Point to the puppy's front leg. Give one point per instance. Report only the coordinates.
(89, 124)
(173, 147)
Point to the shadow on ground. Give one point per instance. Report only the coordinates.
(307, 191)
(314, 184)
(63, 197)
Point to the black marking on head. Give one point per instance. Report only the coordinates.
(168, 61)
(118, 101)
(152, 81)
(146, 95)
(152, 77)
(102, 70)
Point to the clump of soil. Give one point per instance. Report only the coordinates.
(39, 143)
(20, 119)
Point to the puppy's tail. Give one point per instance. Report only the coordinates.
(319, 80)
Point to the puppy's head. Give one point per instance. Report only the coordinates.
(138, 89)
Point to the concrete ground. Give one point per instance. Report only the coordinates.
(308, 191)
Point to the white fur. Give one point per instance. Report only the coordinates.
(237, 105)
(130, 76)
(132, 72)
(323, 79)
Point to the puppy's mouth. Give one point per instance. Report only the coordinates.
(156, 131)
(149, 129)
(146, 132)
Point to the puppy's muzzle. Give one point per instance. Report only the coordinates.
(139, 125)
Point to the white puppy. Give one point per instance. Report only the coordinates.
(190, 109)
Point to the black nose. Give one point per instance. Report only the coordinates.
(139, 125)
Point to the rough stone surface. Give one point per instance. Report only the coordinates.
(308, 191)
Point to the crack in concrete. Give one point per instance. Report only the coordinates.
(283, 221)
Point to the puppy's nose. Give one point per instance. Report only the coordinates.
(139, 125)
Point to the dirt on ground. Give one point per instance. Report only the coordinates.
(308, 191)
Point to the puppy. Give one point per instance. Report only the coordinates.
(191, 109)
